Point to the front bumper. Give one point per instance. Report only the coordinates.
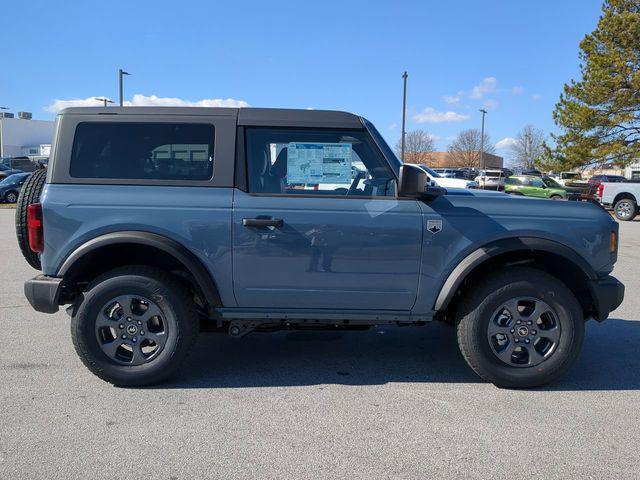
(43, 293)
(607, 293)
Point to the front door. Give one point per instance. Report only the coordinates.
(321, 227)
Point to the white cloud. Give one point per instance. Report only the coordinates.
(517, 90)
(152, 100)
(490, 104)
(487, 85)
(143, 100)
(58, 105)
(536, 97)
(431, 115)
(452, 99)
(506, 142)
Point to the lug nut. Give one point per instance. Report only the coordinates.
(128, 319)
(519, 322)
(516, 340)
(141, 332)
(513, 330)
(534, 332)
(121, 326)
(134, 339)
(123, 336)
(529, 322)
(526, 340)
(139, 322)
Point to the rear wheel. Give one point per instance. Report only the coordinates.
(30, 193)
(522, 328)
(625, 209)
(556, 197)
(135, 326)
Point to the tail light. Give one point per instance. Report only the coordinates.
(600, 190)
(35, 227)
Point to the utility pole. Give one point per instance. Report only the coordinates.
(404, 112)
(484, 112)
(121, 73)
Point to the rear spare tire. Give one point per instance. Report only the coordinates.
(30, 193)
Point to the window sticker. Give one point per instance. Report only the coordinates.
(319, 163)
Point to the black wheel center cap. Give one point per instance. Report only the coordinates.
(132, 329)
(523, 331)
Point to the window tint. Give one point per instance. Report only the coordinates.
(512, 181)
(145, 151)
(316, 162)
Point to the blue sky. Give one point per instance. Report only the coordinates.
(511, 57)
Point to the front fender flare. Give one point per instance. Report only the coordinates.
(477, 257)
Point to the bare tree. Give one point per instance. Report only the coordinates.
(528, 147)
(418, 145)
(464, 151)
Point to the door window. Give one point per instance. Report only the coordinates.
(316, 162)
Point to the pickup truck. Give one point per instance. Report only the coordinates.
(154, 224)
(622, 197)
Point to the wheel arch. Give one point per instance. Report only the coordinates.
(550, 256)
(111, 250)
(623, 195)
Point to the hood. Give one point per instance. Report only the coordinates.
(454, 182)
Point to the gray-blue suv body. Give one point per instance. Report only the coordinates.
(154, 224)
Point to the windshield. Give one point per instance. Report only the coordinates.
(11, 180)
(551, 183)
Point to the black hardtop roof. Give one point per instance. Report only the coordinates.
(245, 116)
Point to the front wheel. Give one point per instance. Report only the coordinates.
(556, 197)
(522, 328)
(11, 197)
(625, 209)
(134, 326)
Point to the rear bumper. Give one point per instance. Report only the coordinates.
(608, 293)
(43, 293)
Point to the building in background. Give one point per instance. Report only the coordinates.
(24, 137)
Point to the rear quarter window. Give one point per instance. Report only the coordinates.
(143, 151)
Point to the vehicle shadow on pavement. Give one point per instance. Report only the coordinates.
(609, 360)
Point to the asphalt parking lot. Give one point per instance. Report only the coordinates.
(388, 403)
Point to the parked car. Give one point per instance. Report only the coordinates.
(6, 171)
(149, 247)
(622, 197)
(437, 180)
(567, 177)
(491, 179)
(10, 187)
(533, 186)
(449, 173)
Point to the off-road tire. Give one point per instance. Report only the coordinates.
(169, 295)
(476, 310)
(30, 193)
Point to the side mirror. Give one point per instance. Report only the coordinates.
(414, 184)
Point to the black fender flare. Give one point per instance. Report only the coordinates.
(175, 249)
(486, 252)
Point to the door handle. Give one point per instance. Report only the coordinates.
(262, 222)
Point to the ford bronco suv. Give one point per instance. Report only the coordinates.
(154, 224)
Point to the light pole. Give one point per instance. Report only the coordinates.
(121, 73)
(2, 139)
(105, 100)
(484, 112)
(404, 112)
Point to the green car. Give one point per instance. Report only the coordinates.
(533, 186)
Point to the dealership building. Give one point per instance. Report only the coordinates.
(22, 136)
